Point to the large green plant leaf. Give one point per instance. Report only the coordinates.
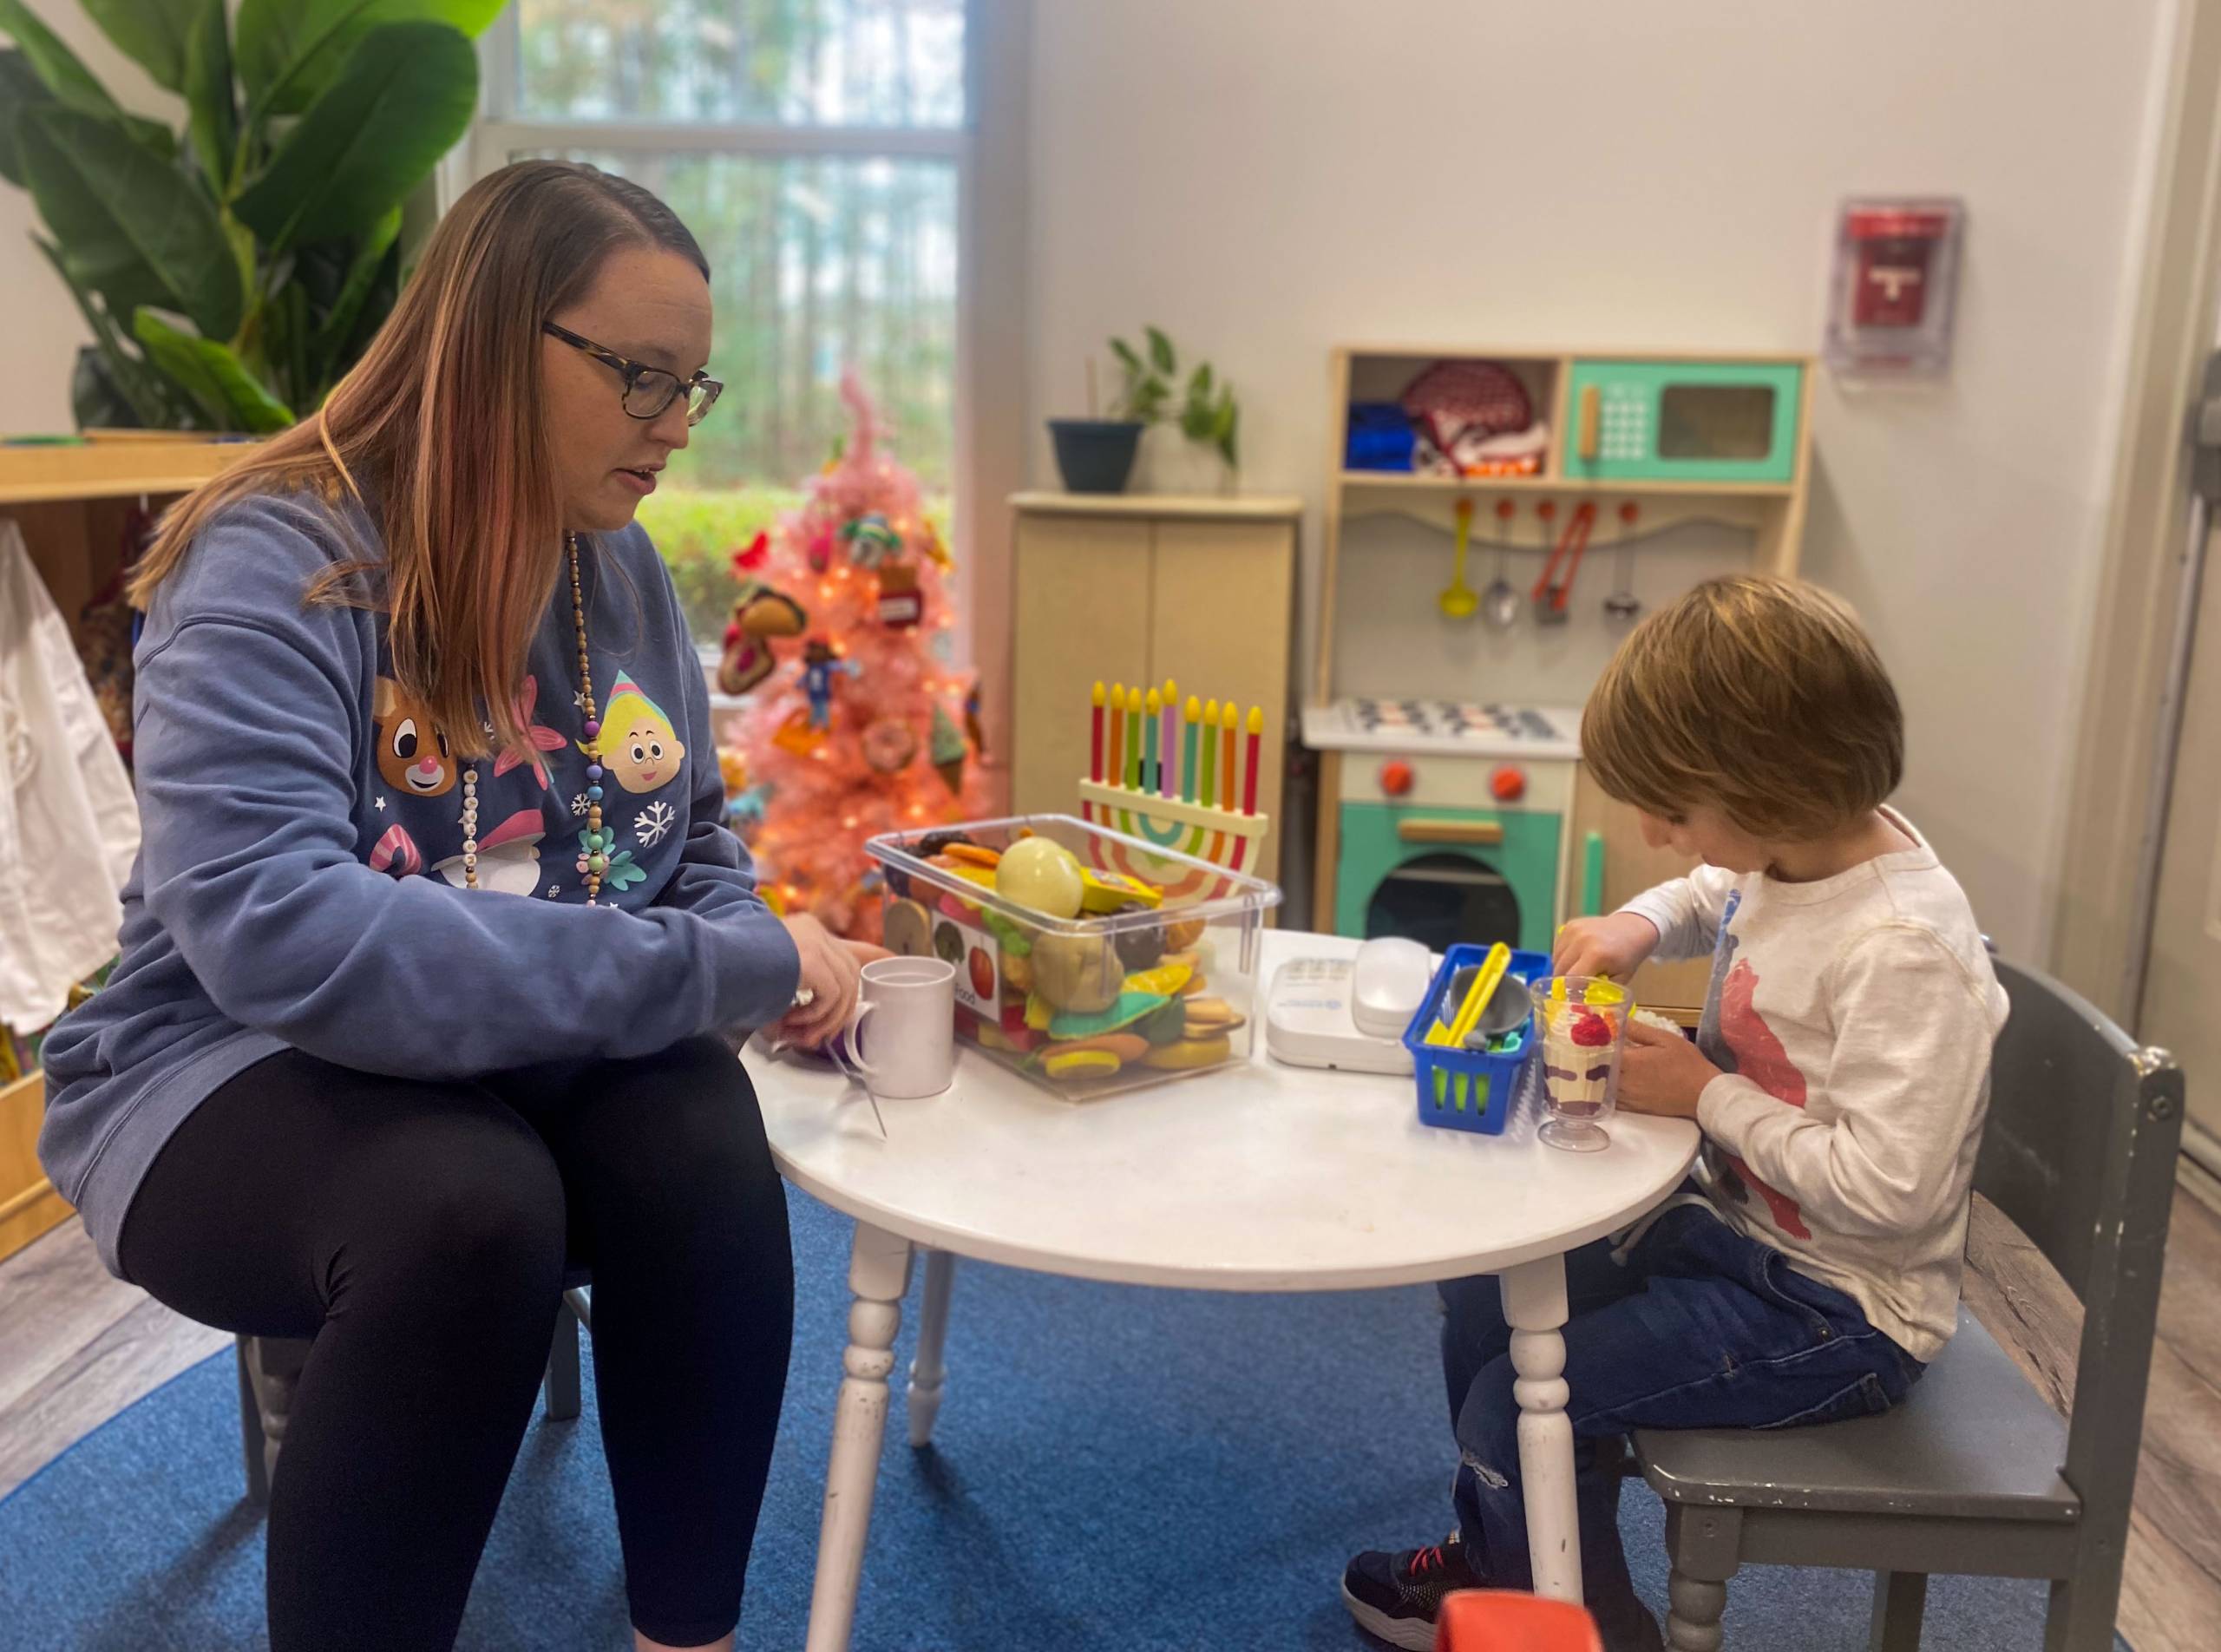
(338, 325)
(213, 375)
(130, 374)
(152, 33)
(114, 208)
(69, 81)
(96, 398)
(290, 50)
(20, 88)
(211, 116)
(404, 96)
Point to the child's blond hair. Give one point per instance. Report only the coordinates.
(1758, 696)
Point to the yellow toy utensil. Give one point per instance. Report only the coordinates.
(1477, 997)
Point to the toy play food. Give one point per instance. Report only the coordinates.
(907, 929)
(1079, 1063)
(1077, 972)
(1041, 874)
(1189, 1052)
(1107, 892)
(1131, 1007)
(1089, 961)
(1126, 1046)
(1140, 948)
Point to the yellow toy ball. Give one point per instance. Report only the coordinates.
(1042, 876)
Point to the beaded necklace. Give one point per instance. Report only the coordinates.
(595, 859)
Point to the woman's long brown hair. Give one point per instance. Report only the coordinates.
(438, 432)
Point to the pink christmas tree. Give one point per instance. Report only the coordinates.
(857, 721)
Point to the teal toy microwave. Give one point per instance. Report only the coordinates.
(1667, 421)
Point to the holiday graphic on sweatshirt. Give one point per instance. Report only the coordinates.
(412, 751)
(638, 745)
(541, 737)
(396, 853)
(1736, 1039)
(509, 856)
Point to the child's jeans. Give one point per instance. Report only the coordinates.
(1699, 1328)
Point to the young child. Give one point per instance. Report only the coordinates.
(1839, 1076)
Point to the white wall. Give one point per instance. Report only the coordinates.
(40, 329)
(1266, 180)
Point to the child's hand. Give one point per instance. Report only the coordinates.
(1662, 1072)
(1613, 945)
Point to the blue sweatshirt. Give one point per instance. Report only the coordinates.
(300, 883)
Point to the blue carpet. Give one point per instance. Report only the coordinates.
(1115, 1469)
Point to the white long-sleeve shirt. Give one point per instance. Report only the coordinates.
(1852, 1019)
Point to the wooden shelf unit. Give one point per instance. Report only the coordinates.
(1772, 511)
(72, 502)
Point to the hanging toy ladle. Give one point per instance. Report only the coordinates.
(1458, 600)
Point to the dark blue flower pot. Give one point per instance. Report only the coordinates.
(1096, 456)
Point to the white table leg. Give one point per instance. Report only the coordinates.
(879, 1274)
(928, 1372)
(1535, 1306)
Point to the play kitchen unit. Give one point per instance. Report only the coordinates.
(1560, 494)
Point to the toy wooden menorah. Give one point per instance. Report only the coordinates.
(1169, 775)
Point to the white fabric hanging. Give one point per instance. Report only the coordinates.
(69, 823)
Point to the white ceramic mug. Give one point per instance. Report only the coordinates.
(902, 1044)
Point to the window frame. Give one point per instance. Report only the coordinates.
(988, 153)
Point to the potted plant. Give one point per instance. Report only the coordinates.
(1096, 456)
(230, 274)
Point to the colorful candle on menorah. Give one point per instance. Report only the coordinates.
(1188, 750)
(1208, 793)
(1165, 776)
(1166, 772)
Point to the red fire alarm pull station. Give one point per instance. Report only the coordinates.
(1896, 269)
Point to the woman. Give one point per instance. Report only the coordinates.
(432, 930)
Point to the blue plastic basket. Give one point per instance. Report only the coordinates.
(1468, 1089)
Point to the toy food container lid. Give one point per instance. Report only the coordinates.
(1238, 893)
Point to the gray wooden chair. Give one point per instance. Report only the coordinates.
(1975, 1472)
(270, 1365)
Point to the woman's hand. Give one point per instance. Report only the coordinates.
(828, 972)
(1662, 1072)
(1613, 945)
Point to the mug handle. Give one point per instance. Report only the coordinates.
(853, 1066)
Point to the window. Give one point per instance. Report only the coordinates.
(819, 150)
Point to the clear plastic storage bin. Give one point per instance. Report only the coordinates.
(1164, 988)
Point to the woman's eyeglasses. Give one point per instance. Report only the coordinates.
(648, 390)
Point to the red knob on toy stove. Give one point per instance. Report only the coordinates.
(1396, 777)
(1508, 784)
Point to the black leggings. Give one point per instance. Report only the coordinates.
(418, 1231)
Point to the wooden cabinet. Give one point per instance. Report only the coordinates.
(1631, 866)
(1136, 589)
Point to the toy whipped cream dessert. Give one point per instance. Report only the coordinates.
(1577, 1061)
(1581, 1023)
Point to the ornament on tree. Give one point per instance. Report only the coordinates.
(889, 745)
(819, 666)
(947, 750)
(759, 614)
(972, 729)
(870, 540)
(900, 605)
(832, 763)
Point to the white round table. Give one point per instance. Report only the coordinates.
(1262, 1177)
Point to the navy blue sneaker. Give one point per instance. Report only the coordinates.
(1396, 1597)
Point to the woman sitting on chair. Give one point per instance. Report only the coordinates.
(432, 930)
